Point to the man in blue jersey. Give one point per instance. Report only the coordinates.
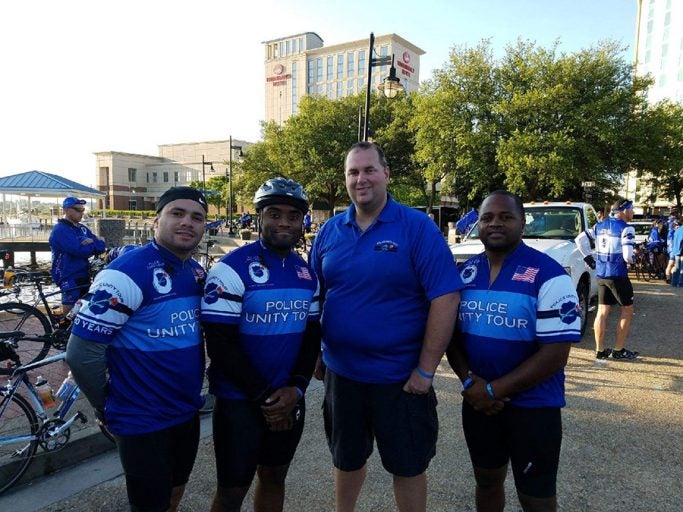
(672, 224)
(72, 243)
(390, 291)
(260, 312)
(137, 352)
(517, 320)
(614, 240)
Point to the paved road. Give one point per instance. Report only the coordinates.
(622, 451)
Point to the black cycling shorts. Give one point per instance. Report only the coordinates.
(405, 425)
(617, 290)
(529, 438)
(156, 462)
(242, 441)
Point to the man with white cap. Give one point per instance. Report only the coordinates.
(72, 243)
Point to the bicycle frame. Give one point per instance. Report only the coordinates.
(19, 377)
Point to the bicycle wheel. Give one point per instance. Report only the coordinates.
(18, 420)
(17, 316)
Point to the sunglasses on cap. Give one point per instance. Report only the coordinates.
(78, 208)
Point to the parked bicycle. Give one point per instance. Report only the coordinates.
(41, 321)
(25, 423)
(646, 264)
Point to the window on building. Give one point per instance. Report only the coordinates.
(132, 204)
(281, 49)
(340, 66)
(189, 177)
(301, 44)
(319, 89)
(294, 50)
(330, 91)
(294, 87)
(287, 47)
(132, 174)
(383, 52)
(349, 88)
(319, 62)
(361, 61)
(276, 53)
(361, 83)
(350, 69)
(165, 177)
(154, 177)
(329, 68)
(147, 177)
(176, 177)
(311, 71)
(340, 89)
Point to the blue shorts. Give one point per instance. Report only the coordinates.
(405, 425)
(73, 289)
(530, 438)
(156, 462)
(242, 441)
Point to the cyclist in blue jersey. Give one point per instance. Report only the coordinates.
(672, 223)
(614, 241)
(72, 243)
(137, 351)
(518, 316)
(656, 245)
(391, 296)
(260, 312)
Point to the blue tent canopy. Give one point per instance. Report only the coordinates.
(39, 183)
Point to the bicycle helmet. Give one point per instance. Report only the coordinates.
(281, 191)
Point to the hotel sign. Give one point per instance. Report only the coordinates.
(403, 64)
(280, 78)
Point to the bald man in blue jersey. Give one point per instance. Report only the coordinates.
(517, 320)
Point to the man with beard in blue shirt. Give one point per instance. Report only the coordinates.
(137, 352)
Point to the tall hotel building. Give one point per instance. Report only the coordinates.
(299, 64)
(659, 52)
(659, 47)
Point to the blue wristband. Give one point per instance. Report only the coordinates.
(424, 373)
(469, 381)
(490, 390)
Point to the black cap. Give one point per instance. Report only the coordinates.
(174, 193)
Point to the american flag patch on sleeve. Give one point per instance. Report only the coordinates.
(303, 273)
(526, 274)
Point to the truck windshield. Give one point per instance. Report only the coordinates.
(547, 222)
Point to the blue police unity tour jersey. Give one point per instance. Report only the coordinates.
(271, 298)
(378, 285)
(532, 301)
(610, 236)
(145, 307)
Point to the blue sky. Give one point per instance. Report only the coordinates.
(80, 76)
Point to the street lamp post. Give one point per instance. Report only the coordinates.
(390, 86)
(204, 162)
(228, 172)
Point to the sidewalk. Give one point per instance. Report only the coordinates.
(622, 450)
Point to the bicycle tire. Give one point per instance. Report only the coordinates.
(18, 419)
(17, 316)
